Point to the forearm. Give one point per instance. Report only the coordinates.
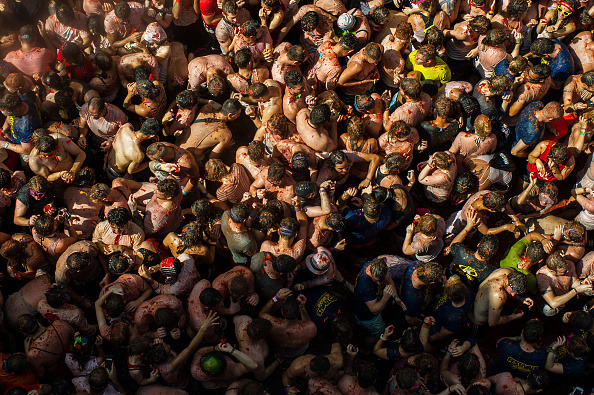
(245, 359)
(560, 300)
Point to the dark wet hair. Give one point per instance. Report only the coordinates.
(118, 263)
(26, 324)
(44, 225)
(406, 379)
(348, 41)
(578, 347)
(480, 24)
(542, 71)
(319, 115)
(114, 305)
(17, 364)
(395, 162)
(517, 281)
(290, 308)
(336, 221)
(230, 106)
(186, 99)
(210, 297)
(488, 247)
(293, 78)
(320, 365)
(455, 289)
(10, 102)
(379, 15)
(374, 51)
(296, 53)
(410, 341)
(558, 153)
(535, 252)
(258, 329)
(495, 37)
(168, 187)
(411, 87)
(538, 380)
(56, 296)
(166, 318)
(515, 8)
(118, 216)
(256, 150)
(242, 57)
(468, 368)
(542, 46)
(581, 320)
(216, 85)
(122, 10)
(429, 272)
(64, 13)
(276, 171)
(588, 78)
(533, 330)
(310, 21)
(156, 354)
(494, 201)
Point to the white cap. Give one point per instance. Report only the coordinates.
(346, 21)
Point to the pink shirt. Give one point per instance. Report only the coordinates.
(112, 26)
(559, 284)
(61, 34)
(187, 15)
(413, 112)
(107, 126)
(326, 67)
(585, 266)
(35, 61)
(469, 144)
(405, 147)
(197, 69)
(145, 313)
(278, 70)
(258, 46)
(68, 313)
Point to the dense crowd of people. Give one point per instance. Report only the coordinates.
(272, 196)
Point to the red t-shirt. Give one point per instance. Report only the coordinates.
(209, 7)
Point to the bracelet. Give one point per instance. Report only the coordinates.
(6, 145)
(275, 298)
(383, 338)
(232, 350)
(448, 354)
(322, 190)
(491, 12)
(298, 209)
(184, 192)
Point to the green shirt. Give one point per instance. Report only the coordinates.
(513, 259)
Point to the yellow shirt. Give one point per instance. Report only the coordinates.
(440, 72)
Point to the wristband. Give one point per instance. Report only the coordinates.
(297, 210)
(6, 145)
(322, 190)
(184, 192)
(275, 298)
(383, 338)
(491, 12)
(232, 350)
(449, 354)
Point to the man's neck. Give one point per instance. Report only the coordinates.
(247, 72)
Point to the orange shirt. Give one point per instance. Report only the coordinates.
(11, 380)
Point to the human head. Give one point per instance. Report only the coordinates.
(294, 81)
(168, 188)
(403, 31)
(118, 263)
(39, 187)
(516, 8)
(395, 162)
(372, 210)
(231, 109)
(336, 222)
(367, 375)
(216, 170)
(276, 173)
(216, 85)
(539, 72)
(469, 367)
(290, 308)
(488, 247)
(499, 84)
(296, 54)
(27, 324)
(574, 232)
(399, 130)
(98, 379)
(355, 128)
(518, 65)
(579, 319)
(310, 21)
(319, 115)
(320, 365)
(406, 378)
(78, 261)
(230, 8)
(378, 270)
(533, 331)
(157, 354)
(379, 15)
(118, 218)
(577, 347)
(258, 329)
(166, 318)
(494, 201)
(283, 263)
(122, 11)
(482, 126)
(547, 194)
(495, 37)
(516, 283)
(277, 124)
(443, 107)
(210, 297)
(239, 213)
(17, 364)
(238, 287)
(455, 289)
(147, 89)
(56, 296)
(535, 252)
(588, 80)
(542, 47)
(556, 263)
(96, 27)
(186, 99)
(114, 305)
(552, 110)
(373, 52)
(364, 102)
(250, 30)
(538, 380)
(442, 160)
(28, 35)
(288, 228)
(427, 225)
(64, 14)
(426, 55)
(479, 24)
(429, 273)
(45, 225)
(10, 104)
(411, 342)
(558, 153)
(348, 43)
(12, 250)
(411, 88)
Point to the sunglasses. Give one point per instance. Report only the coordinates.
(36, 194)
(561, 10)
(274, 182)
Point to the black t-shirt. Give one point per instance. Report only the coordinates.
(265, 286)
(472, 271)
(322, 306)
(34, 206)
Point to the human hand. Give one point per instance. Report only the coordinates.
(540, 166)
(296, 202)
(135, 37)
(560, 341)
(283, 293)
(260, 193)
(224, 347)
(341, 245)
(423, 146)
(211, 319)
(132, 306)
(250, 111)
(386, 97)
(106, 145)
(472, 218)
(298, 287)
(352, 350)
(253, 299)
(547, 245)
(175, 333)
(161, 333)
(551, 29)
(349, 193)
(582, 288)
(67, 176)
(457, 388)
(301, 299)
(389, 331)
(452, 347)
(460, 349)
(558, 232)
(327, 185)
(107, 6)
(82, 142)
(143, 272)
(410, 229)
(32, 220)
(364, 184)
(429, 321)
(154, 375)
(389, 290)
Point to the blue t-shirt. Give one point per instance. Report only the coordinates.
(561, 65)
(450, 317)
(322, 306)
(502, 68)
(365, 290)
(359, 231)
(528, 128)
(573, 368)
(22, 128)
(412, 297)
(516, 361)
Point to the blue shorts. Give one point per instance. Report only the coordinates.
(374, 326)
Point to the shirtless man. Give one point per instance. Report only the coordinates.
(171, 161)
(205, 71)
(582, 51)
(361, 72)
(56, 157)
(293, 332)
(267, 96)
(578, 92)
(494, 292)
(131, 61)
(103, 119)
(251, 335)
(287, 57)
(275, 182)
(45, 347)
(25, 300)
(127, 153)
(326, 70)
(392, 65)
(314, 366)
(297, 94)
(210, 129)
(247, 74)
(310, 126)
(534, 89)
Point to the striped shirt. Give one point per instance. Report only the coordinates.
(240, 183)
